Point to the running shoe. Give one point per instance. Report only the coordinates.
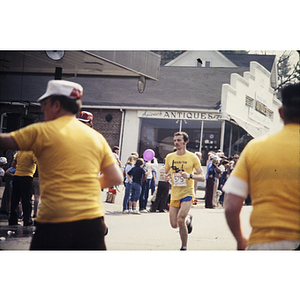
(188, 223)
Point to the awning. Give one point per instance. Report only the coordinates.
(139, 63)
(254, 131)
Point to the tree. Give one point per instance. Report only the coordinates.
(286, 72)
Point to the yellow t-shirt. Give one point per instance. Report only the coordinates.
(181, 187)
(271, 167)
(70, 156)
(26, 163)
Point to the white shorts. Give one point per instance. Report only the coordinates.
(279, 245)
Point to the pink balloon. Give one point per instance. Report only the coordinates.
(148, 154)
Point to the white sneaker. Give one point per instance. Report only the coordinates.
(136, 212)
(144, 211)
(125, 211)
(130, 211)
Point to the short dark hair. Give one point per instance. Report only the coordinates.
(115, 148)
(290, 95)
(184, 134)
(139, 162)
(67, 104)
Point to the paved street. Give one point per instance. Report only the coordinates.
(148, 231)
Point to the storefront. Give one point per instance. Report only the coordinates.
(206, 132)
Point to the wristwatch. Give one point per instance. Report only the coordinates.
(191, 176)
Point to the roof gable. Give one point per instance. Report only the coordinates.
(243, 60)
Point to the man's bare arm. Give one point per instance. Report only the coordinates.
(167, 175)
(111, 176)
(233, 205)
(200, 175)
(7, 142)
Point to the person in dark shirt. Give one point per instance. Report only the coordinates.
(137, 174)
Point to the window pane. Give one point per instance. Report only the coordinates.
(239, 139)
(157, 134)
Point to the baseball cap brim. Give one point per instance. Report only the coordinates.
(83, 120)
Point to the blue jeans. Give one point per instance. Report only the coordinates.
(136, 190)
(144, 194)
(127, 195)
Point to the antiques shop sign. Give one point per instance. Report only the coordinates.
(178, 115)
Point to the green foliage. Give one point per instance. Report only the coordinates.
(286, 72)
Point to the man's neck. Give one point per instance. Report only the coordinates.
(64, 113)
(181, 151)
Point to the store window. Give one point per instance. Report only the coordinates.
(235, 140)
(157, 134)
(14, 121)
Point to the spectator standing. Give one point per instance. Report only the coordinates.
(145, 187)
(154, 165)
(211, 156)
(216, 184)
(162, 192)
(116, 151)
(199, 155)
(273, 181)
(36, 192)
(3, 162)
(235, 160)
(210, 184)
(9, 175)
(22, 187)
(128, 185)
(6, 196)
(70, 156)
(223, 179)
(137, 173)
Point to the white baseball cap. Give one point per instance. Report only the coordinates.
(3, 160)
(63, 88)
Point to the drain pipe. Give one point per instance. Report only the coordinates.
(121, 133)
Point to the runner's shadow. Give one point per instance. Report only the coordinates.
(107, 212)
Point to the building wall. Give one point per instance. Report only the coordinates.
(131, 130)
(251, 102)
(109, 128)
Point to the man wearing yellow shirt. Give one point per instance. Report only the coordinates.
(180, 166)
(70, 156)
(268, 169)
(22, 187)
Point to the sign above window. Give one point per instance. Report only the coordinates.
(159, 114)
